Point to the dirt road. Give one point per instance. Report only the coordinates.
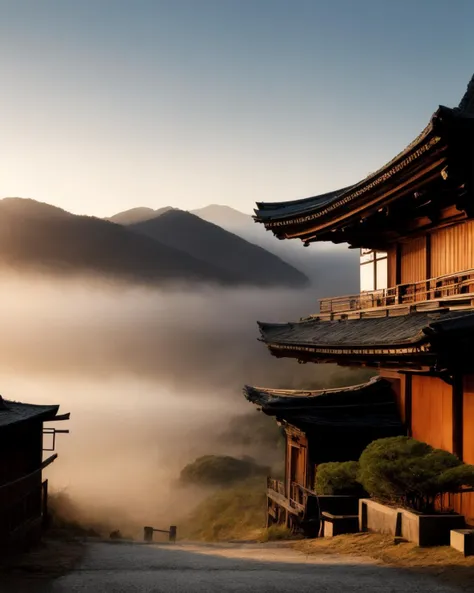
(255, 568)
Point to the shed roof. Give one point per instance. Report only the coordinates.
(369, 405)
(14, 412)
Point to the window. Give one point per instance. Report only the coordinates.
(373, 270)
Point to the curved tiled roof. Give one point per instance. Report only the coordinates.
(303, 211)
(410, 331)
(14, 412)
(370, 404)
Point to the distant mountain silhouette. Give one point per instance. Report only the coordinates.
(334, 267)
(224, 216)
(210, 243)
(38, 236)
(137, 215)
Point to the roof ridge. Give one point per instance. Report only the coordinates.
(466, 105)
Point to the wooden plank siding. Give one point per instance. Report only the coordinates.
(432, 422)
(413, 260)
(392, 267)
(296, 460)
(468, 419)
(452, 249)
(464, 503)
(432, 412)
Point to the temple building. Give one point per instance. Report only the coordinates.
(413, 321)
(27, 448)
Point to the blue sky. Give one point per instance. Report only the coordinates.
(111, 104)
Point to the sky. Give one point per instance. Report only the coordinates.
(107, 105)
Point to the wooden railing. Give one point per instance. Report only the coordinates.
(297, 496)
(441, 287)
(276, 485)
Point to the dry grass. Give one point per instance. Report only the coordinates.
(442, 562)
(275, 533)
(236, 513)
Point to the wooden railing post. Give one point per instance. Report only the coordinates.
(44, 503)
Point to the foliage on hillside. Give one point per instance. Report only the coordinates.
(220, 470)
(255, 431)
(229, 514)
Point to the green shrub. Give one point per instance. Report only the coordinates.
(405, 471)
(220, 470)
(338, 478)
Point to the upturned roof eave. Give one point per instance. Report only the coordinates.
(279, 217)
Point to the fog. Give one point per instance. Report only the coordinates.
(151, 379)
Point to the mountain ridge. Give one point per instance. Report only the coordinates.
(36, 235)
(211, 243)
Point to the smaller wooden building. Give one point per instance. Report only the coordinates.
(24, 446)
(321, 426)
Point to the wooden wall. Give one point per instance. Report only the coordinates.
(413, 260)
(392, 266)
(452, 249)
(468, 419)
(296, 459)
(432, 422)
(432, 412)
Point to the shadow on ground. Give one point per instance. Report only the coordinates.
(256, 568)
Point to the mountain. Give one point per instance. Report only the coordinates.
(137, 215)
(332, 267)
(224, 216)
(38, 236)
(210, 243)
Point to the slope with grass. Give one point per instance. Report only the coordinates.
(232, 513)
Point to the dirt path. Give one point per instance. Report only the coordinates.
(256, 568)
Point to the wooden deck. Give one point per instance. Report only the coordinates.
(453, 291)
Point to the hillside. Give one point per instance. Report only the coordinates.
(224, 216)
(212, 244)
(332, 268)
(137, 215)
(35, 235)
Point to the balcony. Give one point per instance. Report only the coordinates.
(455, 291)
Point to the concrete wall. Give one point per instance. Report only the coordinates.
(423, 530)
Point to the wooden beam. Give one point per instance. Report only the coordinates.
(457, 402)
(284, 502)
(421, 178)
(408, 403)
(428, 257)
(398, 263)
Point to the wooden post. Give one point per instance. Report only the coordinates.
(173, 530)
(148, 534)
(428, 266)
(458, 402)
(398, 266)
(44, 505)
(408, 403)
